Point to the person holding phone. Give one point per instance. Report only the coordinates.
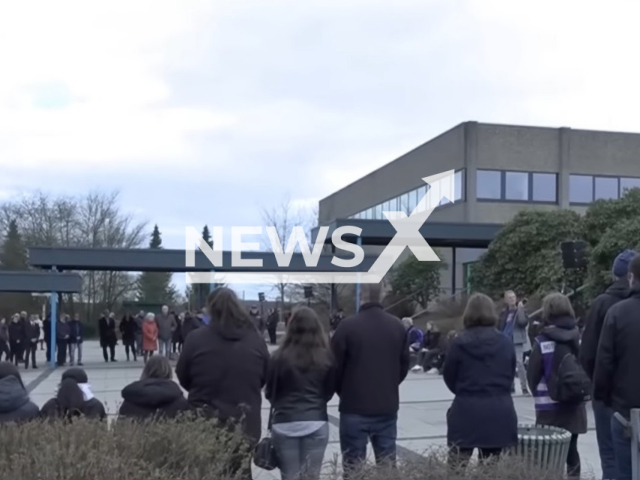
(513, 325)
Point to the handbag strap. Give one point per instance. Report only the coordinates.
(273, 395)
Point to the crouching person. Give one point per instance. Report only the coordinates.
(479, 370)
(155, 394)
(74, 398)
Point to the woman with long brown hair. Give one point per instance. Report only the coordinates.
(301, 382)
(224, 367)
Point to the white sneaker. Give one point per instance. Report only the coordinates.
(417, 369)
(433, 370)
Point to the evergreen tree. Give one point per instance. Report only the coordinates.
(156, 287)
(14, 254)
(201, 290)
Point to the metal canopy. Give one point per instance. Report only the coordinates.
(160, 260)
(437, 234)
(40, 282)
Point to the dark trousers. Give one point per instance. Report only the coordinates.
(357, 430)
(16, 352)
(602, 416)
(47, 341)
(176, 346)
(622, 448)
(459, 457)
(429, 360)
(4, 349)
(61, 347)
(130, 346)
(30, 351)
(573, 458)
(272, 335)
(112, 350)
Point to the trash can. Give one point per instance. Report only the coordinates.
(543, 447)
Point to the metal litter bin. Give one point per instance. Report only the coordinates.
(543, 447)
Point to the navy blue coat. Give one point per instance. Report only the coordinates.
(480, 369)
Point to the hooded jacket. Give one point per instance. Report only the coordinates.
(15, 405)
(152, 397)
(573, 418)
(87, 405)
(190, 323)
(166, 326)
(224, 368)
(615, 381)
(618, 291)
(479, 370)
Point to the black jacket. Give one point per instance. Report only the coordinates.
(431, 340)
(46, 326)
(479, 370)
(190, 324)
(91, 409)
(33, 332)
(128, 330)
(176, 336)
(595, 319)
(272, 321)
(107, 330)
(76, 329)
(371, 351)
(152, 397)
(615, 381)
(63, 331)
(224, 370)
(299, 396)
(573, 418)
(17, 332)
(15, 405)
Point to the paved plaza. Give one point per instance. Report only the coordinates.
(421, 424)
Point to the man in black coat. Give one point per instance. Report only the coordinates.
(618, 291)
(272, 325)
(108, 336)
(17, 339)
(615, 380)
(63, 334)
(31, 343)
(371, 351)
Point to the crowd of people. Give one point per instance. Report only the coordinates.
(225, 368)
(20, 338)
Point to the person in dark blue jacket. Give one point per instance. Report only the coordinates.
(480, 370)
(76, 338)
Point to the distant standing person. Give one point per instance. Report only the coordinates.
(31, 343)
(257, 320)
(41, 325)
(615, 380)
(616, 292)
(513, 325)
(17, 339)
(139, 320)
(63, 333)
(371, 352)
(336, 319)
(149, 336)
(479, 370)
(108, 336)
(76, 340)
(128, 335)
(272, 326)
(558, 338)
(4, 340)
(166, 325)
(300, 383)
(176, 338)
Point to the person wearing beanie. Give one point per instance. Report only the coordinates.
(617, 291)
(74, 398)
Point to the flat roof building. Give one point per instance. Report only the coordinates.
(500, 170)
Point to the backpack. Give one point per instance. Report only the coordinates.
(569, 383)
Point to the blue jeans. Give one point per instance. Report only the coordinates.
(301, 457)
(622, 448)
(357, 430)
(164, 347)
(602, 416)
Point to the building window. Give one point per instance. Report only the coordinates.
(412, 200)
(404, 203)
(421, 192)
(517, 186)
(489, 184)
(606, 188)
(458, 185)
(628, 184)
(544, 187)
(379, 212)
(580, 188)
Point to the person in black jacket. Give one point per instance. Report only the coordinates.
(224, 368)
(17, 339)
(560, 331)
(618, 291)
(63, 334)
(108, 337)
(74, 398)
(76, 339)
(615, 380)
(46, 325)
(301, 381)
(272, 325)
(371, 351)
(31, 342)
(15, 405)
(128, 335)
(191, 322)
(176, 336)
(155, 394)
(480, 370)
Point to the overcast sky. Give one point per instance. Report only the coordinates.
(206, 111)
